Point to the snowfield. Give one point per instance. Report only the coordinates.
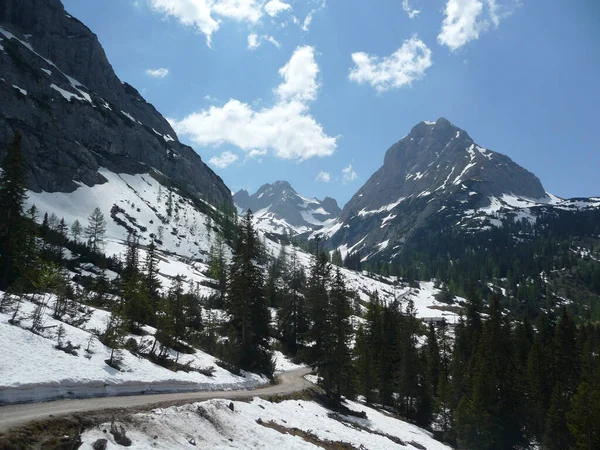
(33, 370)
(212, 425)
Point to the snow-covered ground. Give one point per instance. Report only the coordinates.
(213, 425)
(33, 369)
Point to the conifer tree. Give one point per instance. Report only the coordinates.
(76, 230)
(94, 231)
(13, 190)
(248, 320)
(292, 317)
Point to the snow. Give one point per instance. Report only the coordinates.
(22, 91)
(129, 116)
(385, 221)
(363, 212)
(425, 302)
(66, 94)
(213, 425)
(65, 375)
(283, 364)
(47, 71)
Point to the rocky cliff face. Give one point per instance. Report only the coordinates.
(279, 208)
(436, 169)
(59, 90)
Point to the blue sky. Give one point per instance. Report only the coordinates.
(315, 91)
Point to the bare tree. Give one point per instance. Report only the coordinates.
(94, 232)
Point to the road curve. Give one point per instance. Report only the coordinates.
(15, 415)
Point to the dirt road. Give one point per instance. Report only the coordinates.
(15, 415)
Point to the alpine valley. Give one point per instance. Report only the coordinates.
(128, 267)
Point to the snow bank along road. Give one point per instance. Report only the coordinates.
(14, 415)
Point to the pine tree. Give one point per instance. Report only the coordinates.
(13, 190)
(492, 418)
(150, 276)
(76, 231)
(292, 317)
(248, 320)
(94, 231)
(339, 364)
(583, 419)
(317, 302)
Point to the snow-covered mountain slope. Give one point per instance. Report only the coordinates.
(438, 175)
(141, 202)
(279, 209)
(75, 115)
(86, 374)
(264, 424)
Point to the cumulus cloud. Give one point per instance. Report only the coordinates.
(202, 13)
(223, 160)
(254, 41)
(256, 153)
(401, 68)
(275, 7)
(465, 20)
(348, 174)
(157, 73)
(412, 13)
(300, 76)
(323, 177)
(286, 128)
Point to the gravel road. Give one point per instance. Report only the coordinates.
(15, 415)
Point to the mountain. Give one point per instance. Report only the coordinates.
(438, 178)
(59, 90)
(279, 209)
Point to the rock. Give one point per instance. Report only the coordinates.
(119, 434)
(65, 141)
(435, 165)
(231, 406)
(100, 444)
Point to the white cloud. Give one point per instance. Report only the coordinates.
(401, 68)
(307, 21)
(461, 23)
(412, 13)
(309, 17)
(300, 76)
(157, 73)
(286, 128)
(254, 41)
(272, 40)
(274, 7)
(223, 160)
(323, 177)
(465, 20)
(239, 10)
(348, 175)
(199, 13)
(256, 154)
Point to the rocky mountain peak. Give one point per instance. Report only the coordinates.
(435, 167)
(280, 209)
(59, 89)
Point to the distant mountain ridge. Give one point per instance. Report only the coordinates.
(76, 116)
(278, 208)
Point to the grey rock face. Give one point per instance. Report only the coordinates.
(59, 90)
(278, 207)
(436, 167)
